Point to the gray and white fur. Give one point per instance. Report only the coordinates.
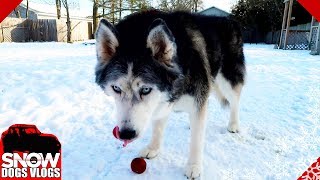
(154, 63)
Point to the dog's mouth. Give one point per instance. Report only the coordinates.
(116, 134)
(126, 142)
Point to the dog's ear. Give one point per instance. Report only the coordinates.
(161, 42)
(106, 41)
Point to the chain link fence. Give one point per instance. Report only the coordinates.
(296, 40)
(14, 31)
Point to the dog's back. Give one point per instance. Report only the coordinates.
(221, 35)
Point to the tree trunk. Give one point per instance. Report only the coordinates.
(195, 5)
(103, 9)
(112, 11)
(66, 5)
(120, 8)
(58, 6)
(17, 12)
(68, 26)
(94, 15)
(27, 9)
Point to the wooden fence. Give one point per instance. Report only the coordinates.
(272, 37)
(26, 30)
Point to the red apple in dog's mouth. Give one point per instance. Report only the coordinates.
(116, 134)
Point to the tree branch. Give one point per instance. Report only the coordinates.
(128, 9)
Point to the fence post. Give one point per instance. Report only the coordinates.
(317, 49)
(285, 13)
(2, 40)
(310, 34)
(288, 25)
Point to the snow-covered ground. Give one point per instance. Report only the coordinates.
(52, 85)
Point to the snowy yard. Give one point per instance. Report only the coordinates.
(52, 85)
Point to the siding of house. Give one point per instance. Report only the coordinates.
(32, 14)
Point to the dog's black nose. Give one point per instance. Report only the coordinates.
(127, 134)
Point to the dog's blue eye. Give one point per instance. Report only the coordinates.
(116, 89)
(145, 90)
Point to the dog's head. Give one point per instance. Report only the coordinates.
(141, 84)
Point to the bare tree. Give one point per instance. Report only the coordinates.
(120, 8)
(113, 10)
(56, 3)
(66, 6)
(103, 7)
(95, 15)
(131, 4)
(58, 7)
(163, 5)
(27, 9)
(180, 5)
(196, 5)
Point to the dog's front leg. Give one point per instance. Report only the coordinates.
(197, 125)
(153, 149)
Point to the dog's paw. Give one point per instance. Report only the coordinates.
(149, 153)
(193, 171)
(233, 128)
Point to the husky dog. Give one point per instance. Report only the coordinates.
(154, 62)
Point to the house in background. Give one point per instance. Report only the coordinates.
(42, 24)
(213, 11)
(21, 9)
(46, 11)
